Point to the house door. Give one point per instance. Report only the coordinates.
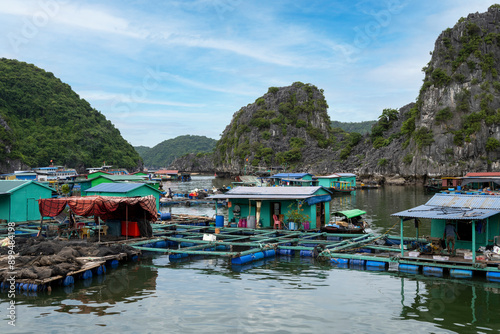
(32, 211)
(320, 215)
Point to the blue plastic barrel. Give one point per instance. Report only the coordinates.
(339, 261)
(376, 265)
(408, 268)
(219, 221)
(165, 216)
(306, 253)
(69, 280)
(493, 276)
(433, 271)
(356, 262)
(460, 273)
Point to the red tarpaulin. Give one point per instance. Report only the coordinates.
(105, 207)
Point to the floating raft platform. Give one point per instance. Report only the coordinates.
(243, 245)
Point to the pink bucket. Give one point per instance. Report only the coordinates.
(306, 225)
(242, 223)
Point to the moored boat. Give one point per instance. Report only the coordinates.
(347, 221)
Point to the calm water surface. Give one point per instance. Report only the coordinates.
(282, 295)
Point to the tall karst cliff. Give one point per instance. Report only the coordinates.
(453, 127)
(287, 126)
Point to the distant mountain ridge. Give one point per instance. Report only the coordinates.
(43, 119)
(359, 127)
(163, 154)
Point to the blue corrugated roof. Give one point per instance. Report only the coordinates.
(115, 187)
(466, 201)
(455, 207)
(270, 193)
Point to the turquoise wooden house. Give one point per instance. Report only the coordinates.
(338, 182)
(18, 200)
(125, 190)
(475, 217)
(261, 204)
(89, 183)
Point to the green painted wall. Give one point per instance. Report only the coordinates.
(265, 211)
(482, 239)
(23, 202)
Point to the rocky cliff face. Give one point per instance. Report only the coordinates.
(453, 128)
(287, 126)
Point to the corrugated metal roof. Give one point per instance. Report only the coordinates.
(7, 186)
(352, 213)
(115, 187)
(439, 212)
(269, 193)
(331, 176)
(290, 175)
(483, 174)
(465, 201)
(346, 174)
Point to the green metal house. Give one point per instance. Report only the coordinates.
(89, 183)
(18, 200)
(341, 182)
(125, 190)
(475, 217)
(262, 203)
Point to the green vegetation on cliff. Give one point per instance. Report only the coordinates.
(43, 119)
(163, 154)
(359, 127)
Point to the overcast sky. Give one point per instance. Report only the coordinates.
(161, 69)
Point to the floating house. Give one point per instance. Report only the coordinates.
(475, 217)
(480, 181)
(18, 200)
(89, 183)
(292, 179)
(125, 190)
(55, 173)
(263, 204)
(338, 182)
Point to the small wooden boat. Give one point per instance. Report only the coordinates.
(434, 185)
(347, 221)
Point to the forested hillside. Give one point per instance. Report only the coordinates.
(43, 119)
(163, 154)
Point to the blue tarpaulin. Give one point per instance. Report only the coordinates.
(318, 199)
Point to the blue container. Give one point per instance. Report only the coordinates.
(269, 253)
(219, 221)
(68, 280)
(355, 262)
(337, 261)
(286, 252)
(87, 274)
(114, 263)
(460, 273)
(306, 253)
(376, 265)
(433, 271)
(408, 268)
(493, 276)
(165, 216)
(241, 259)
(160, 244)
(177, 256)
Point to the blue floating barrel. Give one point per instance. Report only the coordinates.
(460, 273)
(219, 221)
(433, 271)
(25, 286)
(493, 276)
(286, 252)
(165, 216)
(34, 287)
(339, 261)
(114, 263)
(177, 256)
(356, 262)
(258, 256)
(242, 259)
(68, 280)
(269, 253)
(160, 244)
(376, 265)
(408, 268)
(87, 274)
(306, 253)
(134, 258)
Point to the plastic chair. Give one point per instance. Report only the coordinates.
(85, 232)
(276, 222)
